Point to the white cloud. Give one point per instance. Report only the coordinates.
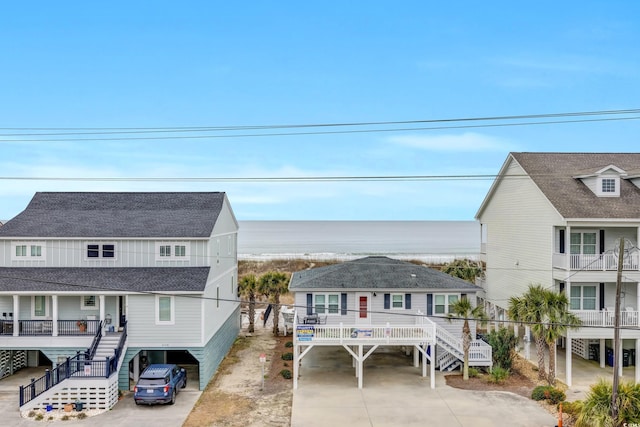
(468, 141)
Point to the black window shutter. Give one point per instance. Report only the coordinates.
(463, 296)
(343, 304)
(562, 241)
(407, 301)
(387, 301)
(309, 304)
(601, 241)
(429, 304)
(601, 296)
(561, 287)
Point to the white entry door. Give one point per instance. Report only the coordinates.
(363, 308)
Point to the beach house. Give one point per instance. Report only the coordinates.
(377, 301)
(95, 286)
(557, 219)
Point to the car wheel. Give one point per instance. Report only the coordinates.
(137, 403)
(184, 384)
(173, 397)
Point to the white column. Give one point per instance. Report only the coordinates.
(567, 252)
(516, 330)
(527, 333)
(54, 317)
(296, 362)
(603, 354)
(416, 357)
(636, 361)
(360, 370)
(16, 317)
(102, 310)
(136, 367)
(621, 358)
(568, 361)
(432, 354)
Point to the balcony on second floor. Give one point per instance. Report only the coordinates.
(596, 262)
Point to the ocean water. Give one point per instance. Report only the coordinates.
(426, 240)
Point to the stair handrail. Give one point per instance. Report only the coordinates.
(113, 364)
(91, 351)
(449, 339)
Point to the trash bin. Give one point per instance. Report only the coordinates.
(632, 357)
(594, 352)
(625, 357)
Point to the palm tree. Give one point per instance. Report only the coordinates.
(529, 310)
(249, 290)
(463, 309)
(273, 284)
(557, 319)
(463, 269)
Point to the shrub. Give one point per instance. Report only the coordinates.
(473, 372)
(65, 418)
(82, 415)
(288, 344)
(596, 407)
(572, 408)
(39, 417)
(503, 345)
(286, 374)
(287, 356)
(31, 414)
(498, 375)
(547, 392)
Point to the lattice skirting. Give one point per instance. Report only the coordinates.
(580, 347)
(101, 393)
(7, 366)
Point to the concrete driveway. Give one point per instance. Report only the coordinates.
(125, 413)
(395, 394)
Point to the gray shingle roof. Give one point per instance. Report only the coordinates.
(554, 174)
(96, 279)
(376, 272)
(117, 215)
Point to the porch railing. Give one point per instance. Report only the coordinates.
(606, 317)
(597, 262)
(45, 327)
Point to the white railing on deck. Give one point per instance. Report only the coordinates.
(597, 262)
(606, 317)
(424, 331)
(478, 350)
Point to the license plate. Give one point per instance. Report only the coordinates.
(149, 390)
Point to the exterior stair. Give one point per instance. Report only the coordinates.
(107, 346)
(451, 355)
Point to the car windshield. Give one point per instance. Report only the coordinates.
(151, 381)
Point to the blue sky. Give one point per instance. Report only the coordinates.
(212, 63)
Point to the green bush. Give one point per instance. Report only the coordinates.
(572, 408)
(286, 374)
(596, 407)
(547, 392)
(288, 344)
(503, 345)
(473, 372)
(287, 356)
(498, 375)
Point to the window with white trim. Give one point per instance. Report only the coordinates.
(39, 307)
(171, 251)
(88, 302)
(165, 310)
(608, 186)
(443, 302)
(33, 251)
(101, 251)
(583, 297)
(327, 303)
(397, 301)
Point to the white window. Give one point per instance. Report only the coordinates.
(327, 303)
(88, 302)
(582, 297)
(583, 243)
(101, 250)
(39, 307)
(165, 310)
(608, 186)
(171, 251)
(442, 302)
(33, 251)
(397, 301)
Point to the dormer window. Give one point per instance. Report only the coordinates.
(609, 186)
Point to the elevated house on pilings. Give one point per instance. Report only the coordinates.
(377, 301)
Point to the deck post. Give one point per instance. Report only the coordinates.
(416, 357)
(432, 354)
(568, 356)
(603, 356)
(360, 370)
(296, 361)
(636, 361)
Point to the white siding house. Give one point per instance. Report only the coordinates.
(379, 301)
(555, 219)
(153, 273)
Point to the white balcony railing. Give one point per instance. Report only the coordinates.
(422, 332)
(606, 317)
(597, 262)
